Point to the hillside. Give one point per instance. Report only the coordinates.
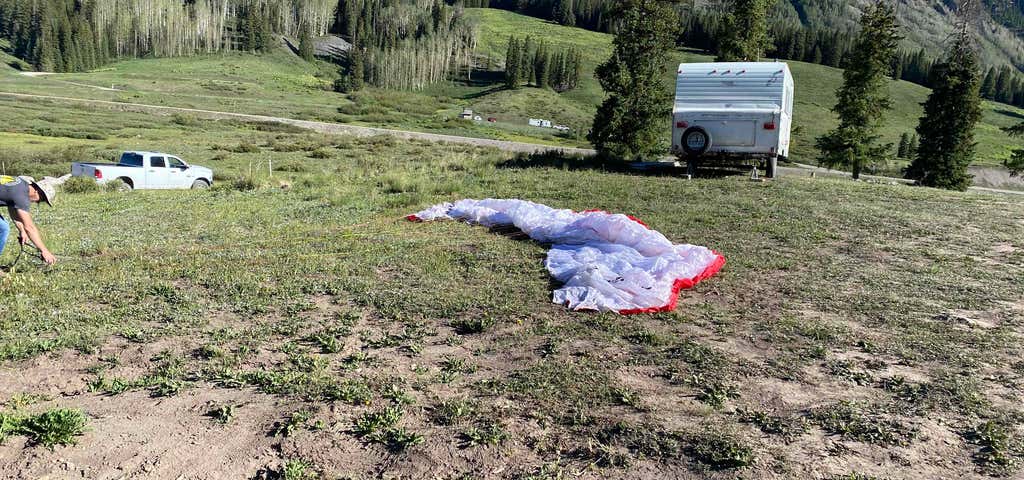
(281, 84)
(928, 24)
(815, 87)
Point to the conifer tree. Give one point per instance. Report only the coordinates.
(951, 112)
(357, 67)
(745, 33)
(525, 61)
(1002, 85)
(541, 64)
(630, 122)
(988, 86)
(903, 150)
(512, 63)
(863, 98)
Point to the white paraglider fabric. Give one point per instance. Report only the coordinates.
(606, 262)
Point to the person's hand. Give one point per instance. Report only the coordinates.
(22, 239)
(49, 258)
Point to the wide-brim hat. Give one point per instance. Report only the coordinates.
(46, 188)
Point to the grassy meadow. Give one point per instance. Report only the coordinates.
(281, 84)
(293, 325)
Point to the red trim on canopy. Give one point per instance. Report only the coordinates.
(681, 284)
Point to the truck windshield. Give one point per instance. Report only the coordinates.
(129, 159)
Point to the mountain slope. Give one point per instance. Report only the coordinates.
(815, 87)
(926, 24)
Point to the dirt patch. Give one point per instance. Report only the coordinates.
(1004, 249)
(156, 438)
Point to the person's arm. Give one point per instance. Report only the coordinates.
(29, 228)
(22, 238)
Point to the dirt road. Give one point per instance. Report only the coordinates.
(323, 127)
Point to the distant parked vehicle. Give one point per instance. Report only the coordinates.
(492, 119)
(732, 112)
(147, 171)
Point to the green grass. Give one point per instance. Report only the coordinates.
(856, 311)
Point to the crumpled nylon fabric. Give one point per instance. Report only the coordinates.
(606, 262)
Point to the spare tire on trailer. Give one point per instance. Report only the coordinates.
(695, 141)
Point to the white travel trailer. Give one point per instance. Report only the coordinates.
(732, 111)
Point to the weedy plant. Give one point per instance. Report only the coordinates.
(49, 429)
(222, 414)
(1001, 451)
(298, 470)
(720, 450)
(486, 433)
(382, 427)
(469, 326)
(454, 410)
(296, 421)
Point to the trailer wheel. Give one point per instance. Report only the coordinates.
(772, 167)
(695, 141)
(691, 166)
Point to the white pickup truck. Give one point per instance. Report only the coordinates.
(147, 171)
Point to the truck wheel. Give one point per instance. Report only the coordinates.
(121, 185)
(772, 167)
(695, 141)
(200, 185)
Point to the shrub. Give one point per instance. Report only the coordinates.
(320, 153)
(184, 120)
(245, 147)
(80, 185)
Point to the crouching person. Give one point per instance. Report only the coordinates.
(17, 194)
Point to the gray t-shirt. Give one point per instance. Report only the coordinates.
(14, 193)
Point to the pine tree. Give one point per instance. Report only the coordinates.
(357, 67)
(745, 33)
(564, 13)
(525, 61)
(904, 147)
(862, 99)
(912, 146)
(816, 57)
(951, 112)
(630, 123)
(541, 63)
(512, 64)
(1002, 88)
(988, 86)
